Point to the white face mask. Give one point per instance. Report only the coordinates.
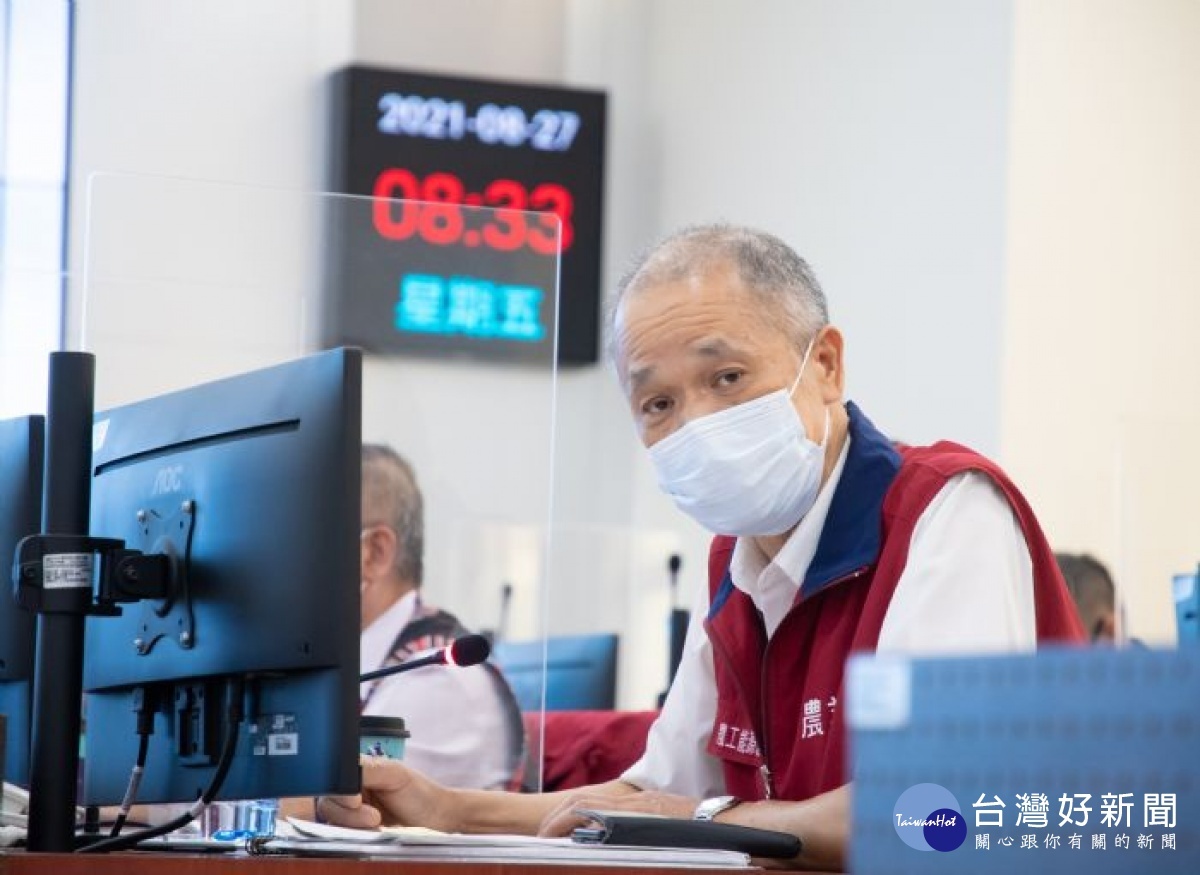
(749, 470)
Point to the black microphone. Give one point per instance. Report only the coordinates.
(674, 563)
(461, 652)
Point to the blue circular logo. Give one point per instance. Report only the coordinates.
(927, 817)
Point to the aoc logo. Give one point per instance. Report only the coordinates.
(927, 817)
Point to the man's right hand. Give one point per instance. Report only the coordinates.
(395, 795)
(392, 795)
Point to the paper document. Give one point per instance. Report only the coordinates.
(416, 835)
(419, 843)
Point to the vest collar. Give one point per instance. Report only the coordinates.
(853, 531)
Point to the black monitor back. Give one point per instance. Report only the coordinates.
(22, 448)
(257, 477)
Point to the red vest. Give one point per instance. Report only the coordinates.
(778, 729)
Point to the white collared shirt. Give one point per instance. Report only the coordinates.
(459, 731)
(376, 640)
(967, 588)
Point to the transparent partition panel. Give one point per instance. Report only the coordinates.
(626, 570)
(456, 309)
(185, 281)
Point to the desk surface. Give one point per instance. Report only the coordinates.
(19, 863)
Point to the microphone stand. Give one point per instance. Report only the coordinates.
(677, 624)
(461, 653)
(438, 658)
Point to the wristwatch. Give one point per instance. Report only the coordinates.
(710, 808)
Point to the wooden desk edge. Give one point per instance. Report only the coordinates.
(145, 863)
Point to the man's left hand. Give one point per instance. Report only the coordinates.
(562, 820)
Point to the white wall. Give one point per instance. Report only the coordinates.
(1101, 363)
(871, 138)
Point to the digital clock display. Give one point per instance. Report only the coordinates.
(486, 195)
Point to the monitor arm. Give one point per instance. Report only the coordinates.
(56, 574)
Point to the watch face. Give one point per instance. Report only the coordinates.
(710, 808)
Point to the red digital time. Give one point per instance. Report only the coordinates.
(432, 208)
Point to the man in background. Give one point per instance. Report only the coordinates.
(465, 726)
(1092, 589)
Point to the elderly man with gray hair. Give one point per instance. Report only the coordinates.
(465, 726)
(829, 539)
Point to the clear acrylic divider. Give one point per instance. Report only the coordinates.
(625, 564)
(184, 281)
(455, 306)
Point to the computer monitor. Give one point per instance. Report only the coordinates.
(22, 448)
(1186, 591)
(251, 486)
(580, 672)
